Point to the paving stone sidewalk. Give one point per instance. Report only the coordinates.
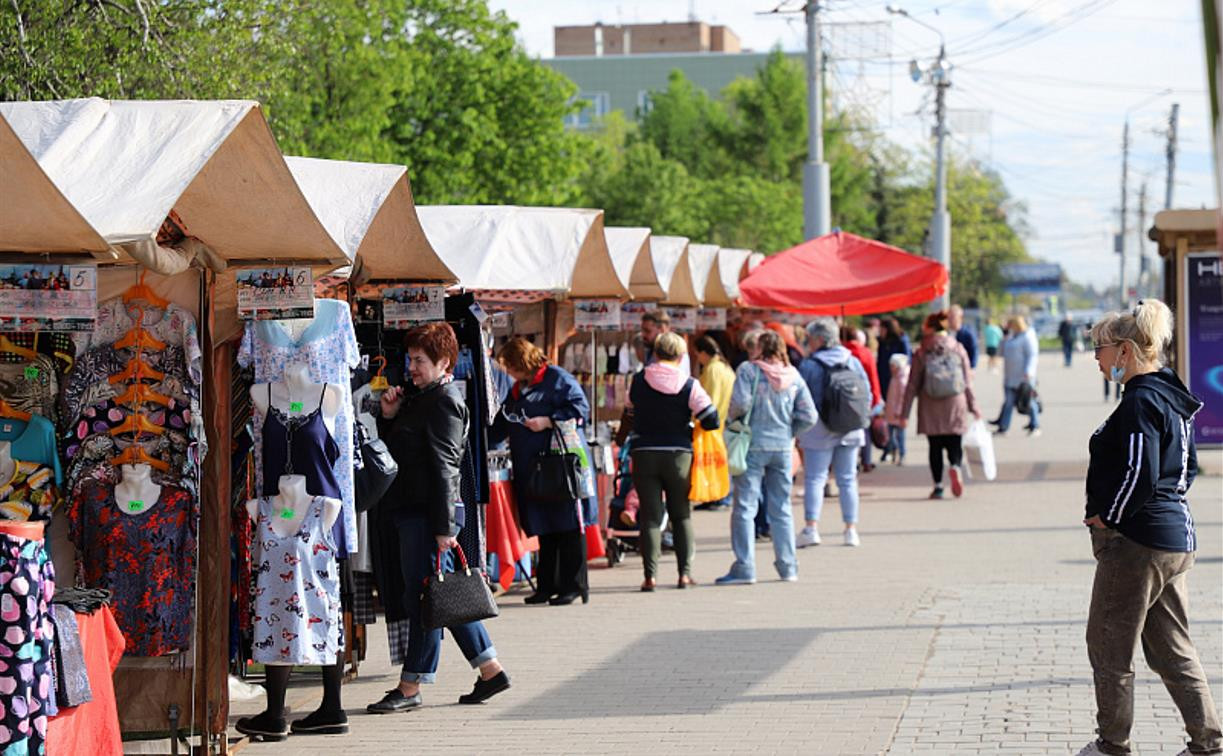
(957, 627)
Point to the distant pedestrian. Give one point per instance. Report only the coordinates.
(962, 333)
(837, 435)
(1065, 332)
(1143, 461)
(941, 382)
(894, 408)
(777, 399)
(855, 341)
(1020, 353)
(894, 341)
(993, 340)
(653, 324)
(718, 380)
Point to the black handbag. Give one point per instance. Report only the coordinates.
(456, 598)
(554, 475)
(1025, 395)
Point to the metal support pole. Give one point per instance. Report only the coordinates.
(817, 208)
(1123, 294)
(1172, 123)
(940, 223)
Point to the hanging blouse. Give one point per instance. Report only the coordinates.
(173, 326)
(92, 463)
(30, 494)
(297, 590)
(32, 386)
(175, 420)
(32, 441)
(88, 383)
(328, 348)
(146, 560)
(27, 686)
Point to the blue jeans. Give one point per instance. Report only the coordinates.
(815, 474)
(417, 555)
(896, 440)
(1008, 407)
(770, 470)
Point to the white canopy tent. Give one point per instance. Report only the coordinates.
(630, 251)
(125, 165)
(732, 266)
(505, 248)
(367, 209)
(670, 255)
(707, 275)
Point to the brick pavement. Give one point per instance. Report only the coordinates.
(957, 627)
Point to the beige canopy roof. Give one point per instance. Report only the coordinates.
(707, 275)
(670, 255)
(630, 251)
(732, 266)
(367, 209)
(125, 165)
(34, 215)
(523, 249)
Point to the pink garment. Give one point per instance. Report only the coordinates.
(780, 375)
(946, 416)
(670, 379)
(893, 409)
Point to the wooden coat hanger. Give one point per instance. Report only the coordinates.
(137, 423)
(136, 455)
(379, 381)
(140, 338)
(137, 370)
(141, 291)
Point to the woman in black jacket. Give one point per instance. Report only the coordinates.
(1143, 461)
(426, 432)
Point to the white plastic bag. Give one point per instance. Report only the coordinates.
(979, 436)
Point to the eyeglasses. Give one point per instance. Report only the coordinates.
(1098, 347)
(514, 417)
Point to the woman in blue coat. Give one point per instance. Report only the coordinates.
(542, 395)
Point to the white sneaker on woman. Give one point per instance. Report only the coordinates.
(808, 537)
(851, 537)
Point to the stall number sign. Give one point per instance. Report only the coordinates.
(596, 314)
(405, 306)
(275, 294)
(48, 297)
(631, 312)
(683, 319)
(711, 319)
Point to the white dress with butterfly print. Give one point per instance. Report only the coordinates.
(297, 590)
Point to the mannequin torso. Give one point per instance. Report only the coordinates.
(137, 492)
(297, 395)
(291, 505)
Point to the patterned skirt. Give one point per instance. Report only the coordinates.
(27, 634)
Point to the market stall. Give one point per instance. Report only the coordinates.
(1193, 288)
(190, 191)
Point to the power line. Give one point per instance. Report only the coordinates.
(1028, 38)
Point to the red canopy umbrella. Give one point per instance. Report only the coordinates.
(842, 274)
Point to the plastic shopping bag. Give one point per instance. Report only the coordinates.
(979, 436)
(574, 444)
(710, 474)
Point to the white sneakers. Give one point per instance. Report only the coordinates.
(851, 537)
(807, 537)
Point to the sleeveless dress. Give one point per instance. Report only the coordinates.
(299, 445)
(297, 590)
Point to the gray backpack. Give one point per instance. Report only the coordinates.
(845, 404)
(944, 374)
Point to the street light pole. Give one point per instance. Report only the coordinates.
(817, 207)
(1123, 297)
(940, 222)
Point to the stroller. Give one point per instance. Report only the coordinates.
(622, 537)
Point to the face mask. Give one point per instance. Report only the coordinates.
(1116, 373)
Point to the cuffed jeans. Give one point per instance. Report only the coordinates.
(1140, 594)
(417, 560)
(1008, 407)
(815, 474)
(770, 470)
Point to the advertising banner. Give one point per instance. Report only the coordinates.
(48, 297)
(711, 319)
(631, 312)
(1203, 314)
(1032, 278)
(683, 319)
(406, 306)
(596, 314)
(275, 294)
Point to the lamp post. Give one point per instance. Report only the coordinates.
(1123, 295)
(939, 75)
(817, 209)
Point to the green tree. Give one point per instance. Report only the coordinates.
(650, 190)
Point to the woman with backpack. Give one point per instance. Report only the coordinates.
(941, 377)
(775, 404)
(839, 389)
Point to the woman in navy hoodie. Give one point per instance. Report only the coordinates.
(1143, 461)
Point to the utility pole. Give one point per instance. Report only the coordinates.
(1123, 296)
(1172, 119)
(817, 206)
(1143, 270)
(940, 224)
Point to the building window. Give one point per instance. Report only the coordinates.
(598, 104)
(645, 103)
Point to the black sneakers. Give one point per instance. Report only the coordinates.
(486, 689)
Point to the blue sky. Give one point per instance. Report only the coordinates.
(1055, 76)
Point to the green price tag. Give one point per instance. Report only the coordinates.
(135, 505)
(295, 406)
(286, 514)
(31, 373)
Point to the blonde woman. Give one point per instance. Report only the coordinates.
(1142, 463)
(1020, 352)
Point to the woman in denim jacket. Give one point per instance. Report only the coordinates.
(772, 391)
